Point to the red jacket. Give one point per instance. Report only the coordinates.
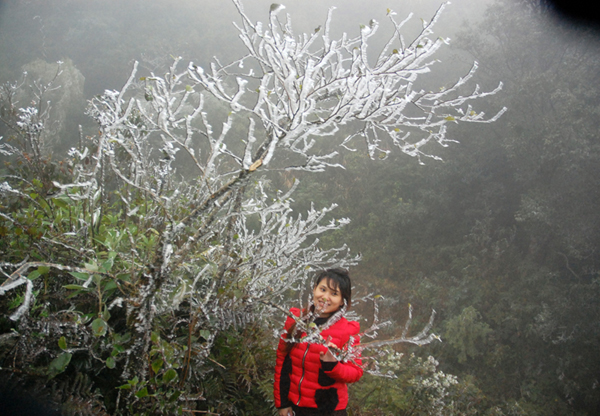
(312, 383)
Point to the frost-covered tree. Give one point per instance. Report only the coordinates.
(163, 233)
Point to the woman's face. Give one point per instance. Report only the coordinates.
(327, 299)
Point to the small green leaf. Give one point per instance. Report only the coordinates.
(126, 277)
(99, 326)
(106, 314)
(62, 343)
(109, 285)
(42, 270)
(175, 396)
(59, 364)
(110, 362)
(107, 265)
(44, 204)
(169, 375)
(157, 365)
(33, 275)
(75, 287)
(142, 393)
(60, 203)
(97, 279)
(80, 276)
(122, 338)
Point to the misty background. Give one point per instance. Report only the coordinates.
(501, 238)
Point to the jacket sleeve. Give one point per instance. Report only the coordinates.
(348, 372)
(282, 373)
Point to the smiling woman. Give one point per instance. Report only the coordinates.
(331, 291)
(309, 380)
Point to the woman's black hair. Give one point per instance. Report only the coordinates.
(339, 279)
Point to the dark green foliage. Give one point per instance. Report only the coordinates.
(414, 386)
(239, 379)
(73, 344)
(75, 341)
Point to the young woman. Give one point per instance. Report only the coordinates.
(309, 380)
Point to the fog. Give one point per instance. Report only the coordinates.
(104, 37)
(501, 237)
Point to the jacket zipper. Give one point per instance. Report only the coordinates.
(302, 378)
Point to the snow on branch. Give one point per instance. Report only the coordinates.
(306, 331)
(303, 88)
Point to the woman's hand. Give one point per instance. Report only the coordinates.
(328, 357)
(286, 412)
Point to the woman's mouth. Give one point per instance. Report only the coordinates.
(322, 305)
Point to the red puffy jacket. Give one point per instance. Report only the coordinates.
(312, 383)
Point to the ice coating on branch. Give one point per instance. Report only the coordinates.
(353, 350)
(6, 149)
